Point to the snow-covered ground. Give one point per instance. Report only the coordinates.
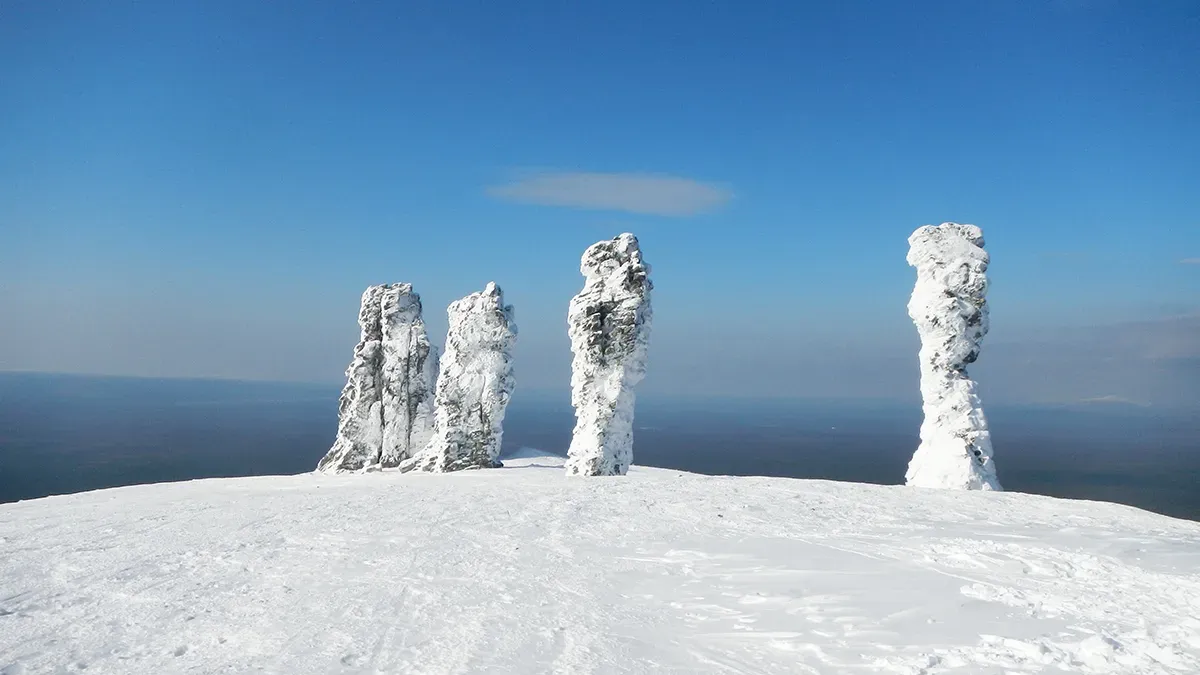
(522, 570)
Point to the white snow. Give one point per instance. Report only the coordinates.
(475, 385)
(609, 326)
(491, 572)
(949, 307)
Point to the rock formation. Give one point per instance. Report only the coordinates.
(386, 409)
(609, 326)
(475, 385)
(360, 417)
(410, 370)
(949, 308)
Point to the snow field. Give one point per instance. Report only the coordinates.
(522, 570)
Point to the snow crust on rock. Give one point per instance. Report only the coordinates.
(385, 412)
(676, 574)
(949, 307)
(609, 326)
(475, 385)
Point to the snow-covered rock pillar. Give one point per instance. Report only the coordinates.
(385, 413)
(360, 417)
(474, 387)
(609, 326)
(409, 376)
(949, 308)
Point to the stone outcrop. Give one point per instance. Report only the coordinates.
(609, 326)
(949, 308)
(474, 387)
(410, 371)
(385, 413)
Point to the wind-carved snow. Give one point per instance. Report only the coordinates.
(475, 385)
(675, 573)
(949, 308)
(609, 326)
(385, 412)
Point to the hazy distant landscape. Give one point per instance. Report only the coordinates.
(62, 434)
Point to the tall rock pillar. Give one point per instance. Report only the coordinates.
(360, 416)
(474, 387)
(949, 308)
(386, 409)
(609, 326)
(410, 368)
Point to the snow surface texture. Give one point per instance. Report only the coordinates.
(385, 413)
(475, 385)
(609, 326)
(490, 572)
(949, 307)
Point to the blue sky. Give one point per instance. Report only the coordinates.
(204, 188)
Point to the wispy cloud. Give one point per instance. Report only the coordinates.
(1113, 398)
(1190, 261)
(652, 194)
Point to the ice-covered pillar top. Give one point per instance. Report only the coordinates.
(609, 326)
(369, 326)
(949, 308)
(951, 285)
(399, 308)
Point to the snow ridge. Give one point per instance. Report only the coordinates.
(475, 385)
(386, 408)
(609, 326)
(949, 308)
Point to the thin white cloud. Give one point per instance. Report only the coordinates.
(1190, 261)
(651, 194)
(1113, 398)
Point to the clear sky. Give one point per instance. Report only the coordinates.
(203, 188)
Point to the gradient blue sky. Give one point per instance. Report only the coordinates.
(204, 188)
